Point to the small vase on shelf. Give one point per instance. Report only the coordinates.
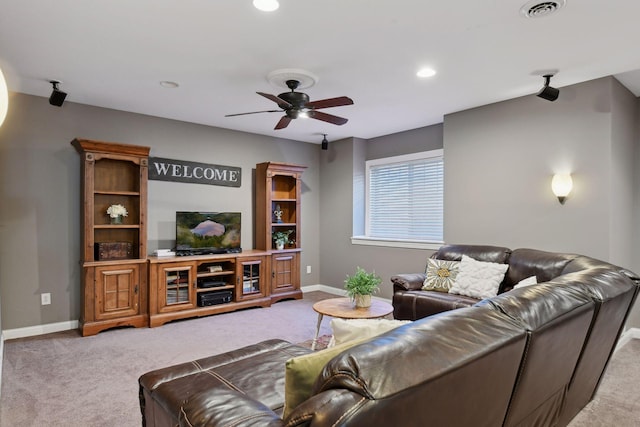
(116, 212)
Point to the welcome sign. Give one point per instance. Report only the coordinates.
(161, 169)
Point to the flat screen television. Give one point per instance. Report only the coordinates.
(207, 232)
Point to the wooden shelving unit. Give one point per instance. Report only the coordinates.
(114, 288)
(278, 188)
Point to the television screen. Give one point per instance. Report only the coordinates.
(207, 232)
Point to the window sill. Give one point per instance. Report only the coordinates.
(407, 244)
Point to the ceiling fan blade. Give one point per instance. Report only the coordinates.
(329, 118)
(254, 112)
(330, 102)
(281, 102)
(283, 123)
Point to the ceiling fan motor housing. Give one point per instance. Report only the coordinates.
(297, 99)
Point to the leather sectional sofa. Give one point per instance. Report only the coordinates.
(532, 356)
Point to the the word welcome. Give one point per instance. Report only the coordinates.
(192, 172)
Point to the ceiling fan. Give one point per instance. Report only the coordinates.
(296, 104)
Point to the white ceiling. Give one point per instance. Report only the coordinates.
(114, 53)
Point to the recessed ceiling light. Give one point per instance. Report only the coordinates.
(168, 84)
(426, 72)
(266, 5)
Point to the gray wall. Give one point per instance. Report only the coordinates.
(500, 159)
(40, 209)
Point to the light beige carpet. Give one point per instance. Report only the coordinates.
(66, 380)
(617, 402)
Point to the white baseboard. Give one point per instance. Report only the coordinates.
(334, 291)
(323, 288)
(31, 331)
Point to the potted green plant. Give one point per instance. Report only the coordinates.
(281, 238)
(361, 286)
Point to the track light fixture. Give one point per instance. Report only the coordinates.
(325, 143)
(57, 96)
(547, 92)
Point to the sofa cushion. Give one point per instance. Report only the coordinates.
(531, 280)
(345, 330)
(529, 262)
(254, 371)
(415, 375)
(301, 372)
(441, 274)
(412, 305)
(478, 279)
(484, 253)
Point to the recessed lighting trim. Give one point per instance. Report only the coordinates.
(426, 72)
(168, 84)
(266, 5)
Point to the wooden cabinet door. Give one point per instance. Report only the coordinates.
(285, 275)
(117, 291)
(176, 287)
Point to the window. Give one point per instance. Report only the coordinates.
(404, 198)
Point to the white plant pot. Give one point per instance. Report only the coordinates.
(363, 301)
(279, 246)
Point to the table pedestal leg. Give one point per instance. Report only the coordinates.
(315, 340)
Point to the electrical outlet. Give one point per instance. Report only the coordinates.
(45, 299)
(308, 269)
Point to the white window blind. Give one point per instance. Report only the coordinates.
(405, 197)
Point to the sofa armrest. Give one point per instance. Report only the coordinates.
(408, 281)
(226, 407)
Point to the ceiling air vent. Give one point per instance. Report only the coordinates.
(538, 9)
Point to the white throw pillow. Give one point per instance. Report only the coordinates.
(345, 330)
(526, 282)
(478, 279)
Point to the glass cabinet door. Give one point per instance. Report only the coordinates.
(250, 279)
(177, 287)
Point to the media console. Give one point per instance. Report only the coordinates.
(199, 285)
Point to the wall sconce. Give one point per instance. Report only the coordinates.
(561, 185)
(4, 98)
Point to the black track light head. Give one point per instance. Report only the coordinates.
(547, 92)
(57, 96)
(325, 143)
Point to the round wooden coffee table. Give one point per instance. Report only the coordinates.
(343, 308)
